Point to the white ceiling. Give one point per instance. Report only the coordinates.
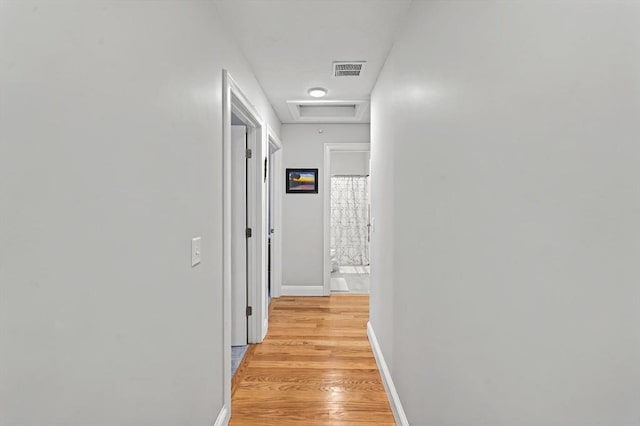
(291, 44)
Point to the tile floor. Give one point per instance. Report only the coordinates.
(237, 354)
(351, 279)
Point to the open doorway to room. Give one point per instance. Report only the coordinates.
(347, 218)
(245, 224)
(350, 227)
(240, 248)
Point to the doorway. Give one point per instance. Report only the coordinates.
(244, 268)
(239, 241)
(347, 224)
(350, 224)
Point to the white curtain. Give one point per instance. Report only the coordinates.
(350, 219)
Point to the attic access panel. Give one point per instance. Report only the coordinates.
(321, 111)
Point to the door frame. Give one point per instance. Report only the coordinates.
(277, 183)
(234, 101)
(328, 149)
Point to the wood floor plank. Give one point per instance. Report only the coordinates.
(315, 367)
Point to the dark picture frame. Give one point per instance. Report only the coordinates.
(301, 181)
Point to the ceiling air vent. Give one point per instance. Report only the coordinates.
(348, 69)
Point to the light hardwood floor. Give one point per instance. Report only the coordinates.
(315, 367)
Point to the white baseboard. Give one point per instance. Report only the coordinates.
(392, 394)
(302, 290)
(223, 417)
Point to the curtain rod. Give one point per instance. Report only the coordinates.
(349, 175)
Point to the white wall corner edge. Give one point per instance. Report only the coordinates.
(389, 387)
(302, 290)
(265, 326)
(223, 417)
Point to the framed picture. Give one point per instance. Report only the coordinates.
(302, 181)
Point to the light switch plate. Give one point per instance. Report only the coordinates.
(195, 251)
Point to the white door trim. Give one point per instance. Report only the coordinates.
(236, 102)
(276, 210)
(328, 149)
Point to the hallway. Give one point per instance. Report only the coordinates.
(501, 218)
(315, 367)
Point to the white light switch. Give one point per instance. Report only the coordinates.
(195, 251)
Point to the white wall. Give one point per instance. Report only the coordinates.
(110, 162)
(349, 163)
(505, 162)
(302, 214)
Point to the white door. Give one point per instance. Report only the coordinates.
(238, 236)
